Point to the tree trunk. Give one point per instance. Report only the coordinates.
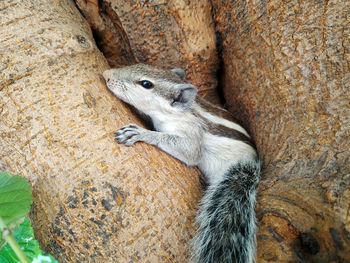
(286, 74)
(163, 33)
(94, 200)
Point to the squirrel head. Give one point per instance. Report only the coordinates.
(151, 89)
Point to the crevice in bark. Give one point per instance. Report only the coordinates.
(219, 50)
(107, 31)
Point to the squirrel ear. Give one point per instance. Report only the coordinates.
(179, 71)
(185, 96)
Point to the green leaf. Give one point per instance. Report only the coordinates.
(45, 259)
(7, 255)
(24, 236)
(15, 197)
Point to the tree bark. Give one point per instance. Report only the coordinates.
(94, 200)
(286, 74)
(162, 33)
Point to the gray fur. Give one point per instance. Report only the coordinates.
(179, 71)
(190, 133)
(224, 237)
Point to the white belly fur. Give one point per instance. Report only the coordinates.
(219, 154)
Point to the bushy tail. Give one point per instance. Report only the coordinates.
(226, 218)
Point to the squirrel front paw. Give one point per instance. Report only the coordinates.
(129, 134)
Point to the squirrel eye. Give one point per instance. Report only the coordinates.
(146, 84)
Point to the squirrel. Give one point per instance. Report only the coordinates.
(187, 128)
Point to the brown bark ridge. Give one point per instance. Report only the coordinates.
(286, 74)
(94, 200)
(108, 32)
(162, 33)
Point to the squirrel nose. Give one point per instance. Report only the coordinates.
(107, 74)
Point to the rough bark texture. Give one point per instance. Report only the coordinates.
(108, 32)
(286, 74)
(163, 33)
(94, 200)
